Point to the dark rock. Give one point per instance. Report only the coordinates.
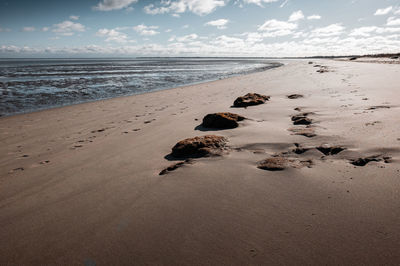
(300, 149)
(222, 120)
(301, 120)
(199, 146)
(353, 58)
(250, 99)
(310, 63)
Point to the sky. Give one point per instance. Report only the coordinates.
(250, 28)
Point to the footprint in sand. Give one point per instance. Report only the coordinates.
(16, 170)
(375, 158)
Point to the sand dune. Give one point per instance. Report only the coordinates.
(81, 184)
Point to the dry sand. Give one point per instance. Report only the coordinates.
(80, 184)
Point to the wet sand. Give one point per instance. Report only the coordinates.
(81, 184)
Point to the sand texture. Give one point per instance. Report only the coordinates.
(81, 185)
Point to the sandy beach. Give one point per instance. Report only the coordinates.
(80, 185)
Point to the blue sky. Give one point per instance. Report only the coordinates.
(89, 28)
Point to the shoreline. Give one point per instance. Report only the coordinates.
(81, 184)
(272, 64)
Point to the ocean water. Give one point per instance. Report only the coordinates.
(28, 85)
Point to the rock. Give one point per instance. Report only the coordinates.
(300, 149)
(295, 96)
(222, 120)
(301, 120)
(199, 146)
(273, 164)
(353, 58)
(310, 63)
(279, 163)
(330, 150)
(250, 99)
(308, 132)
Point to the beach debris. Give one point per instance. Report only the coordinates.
(327, 149)
(374, 158)
(250, 99)
(279, 163)
(208, 145)
(175, 166)
(222, 120)
(295, 96)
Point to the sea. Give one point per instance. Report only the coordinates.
(28, 85)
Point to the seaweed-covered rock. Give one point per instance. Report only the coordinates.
(274, 164)
(280, 163)
(250, 99)
(199, 146)
(222, 120)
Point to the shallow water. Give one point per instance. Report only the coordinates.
(34, 84)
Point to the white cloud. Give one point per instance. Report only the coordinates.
(168, 30)
(312, 17)
(198, 7)
(295, 16)
(392, 21)
(146, 30)
(187, 38)
(68, 28)
(227, 46)
(112, 35)
(331, 30)
(45, 29)
(363, 31)
(28, 29)
(274, 28)
(4, 29)
(383, 11)
(259, 2)
(219, 23)
(74, 17)
(108, 5)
